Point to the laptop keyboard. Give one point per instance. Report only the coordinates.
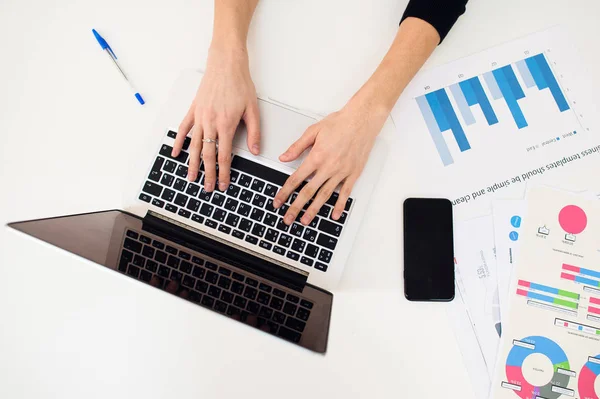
(245, 210)
(219, 288)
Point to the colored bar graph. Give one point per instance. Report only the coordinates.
(446, 117)
(483, 101)
(434, 130)
(595, 301)
(580, 279)
(581, 270)
(507, 87)
(492, 85)
(552, 83)
(593, 309)
(547, 298)
(525, 74)
(463, 106)
(550, 290)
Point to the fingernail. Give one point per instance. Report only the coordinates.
(208, 186)
(336, 215)
(305, 220)
(222, 186)
(288, 219)
(276, 203)
(255, 149)
(191, 177)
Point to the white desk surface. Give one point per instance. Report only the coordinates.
(70, 128)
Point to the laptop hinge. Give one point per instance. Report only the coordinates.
(225, 251)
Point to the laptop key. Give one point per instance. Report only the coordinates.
(218, 199)
(132, 245)
(231, 204)
(282, 226)
(197, 260)
(292, 298)
(306, 304)
(325, 255)
(206, 209)
(245, 181)
(257, 214)
(181, 199)
(145, 197)
(201, 286)
(238, 234)
(215, 292)
(139, 261)
(233, 190)
(198, 272)
(258, 230)
(152, 188)
(265, 312)
(240, 302)
(330, 227)
(167, 180)
(279, 293)
(173, 261)
(293, 256)
(295, 324)
(227, 296)
(342, 218)
(211, 223)
(192, 189)
(232, 220)
(204, 195)
(306, 261)
(220, 307)
(193, 205)
(270, 220)
(289, 308)
(158, 163)
(238, 288)
(146, 275)
(257, 185)
(160, 257)
(314, 222)
(171, 208)
(185, 266)
(253, 307)
(180, 184)
(265, 245)
(172, 134)
(165, 151)
(298, 245)
(312, 251)
(197, 218)
(279, 317)
(321, 266)
(233, 175)
(171, 250)
(181, 171)
(310, 235)
(219, 215)
(288, 334)
(296, 229)
(250, 293)
(211, 266)
(326, 241)
(148, 252)
(244, 209)
(168, 195)
(195, 296)
(246, 195)
(285, 240)
(224, 282)
(279, 250)
(170, 166)
(164, 271)
(188, 281)
(251, 240)
(263, 298)
(271, 235)
(211, 277)
(158, 203)
(245, 225)
(224, 229)
(259, 200)
(207, 301)
(276, 303)
(186, 143)
(324, 211)
(271, 190)
(251, 282)
(133, 271)
(155, 175)
(269, 206)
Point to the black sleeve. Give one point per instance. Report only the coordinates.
(441, 14)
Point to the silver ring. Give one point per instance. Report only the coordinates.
(210, 141)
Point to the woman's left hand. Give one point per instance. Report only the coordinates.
(341, 144)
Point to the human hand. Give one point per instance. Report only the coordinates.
(341, 144)
(225, 96)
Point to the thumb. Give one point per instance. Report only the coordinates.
(296, 149)
(252, 120)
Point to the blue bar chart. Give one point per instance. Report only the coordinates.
(442, 115)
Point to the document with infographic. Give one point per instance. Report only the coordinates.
(550, 345)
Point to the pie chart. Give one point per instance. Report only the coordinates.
(572, 219)
(589, 382)
(535, 368)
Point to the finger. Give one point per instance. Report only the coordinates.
(252, 320)
(293, 182)
(224, 155)
(184, 294)
(209, 155)
(184, 129)
(345, 192)
(195, 154)
(252, 120)
(322, 196)
(305, 195)
(172, 287)
(305, 141)
(154, 281)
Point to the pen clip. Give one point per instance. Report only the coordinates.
(103, 43)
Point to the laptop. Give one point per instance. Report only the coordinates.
(227, 251)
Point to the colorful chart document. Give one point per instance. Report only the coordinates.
(484, 126)
(550, 346)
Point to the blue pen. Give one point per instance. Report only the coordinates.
(113, 57)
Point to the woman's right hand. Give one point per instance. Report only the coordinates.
(226, 95)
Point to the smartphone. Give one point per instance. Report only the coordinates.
(428, 250)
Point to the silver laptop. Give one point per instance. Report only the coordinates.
(227, 251)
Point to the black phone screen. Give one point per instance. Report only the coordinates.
(428, 250)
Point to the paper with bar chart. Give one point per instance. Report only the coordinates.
(491, 122)
(551, 341)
